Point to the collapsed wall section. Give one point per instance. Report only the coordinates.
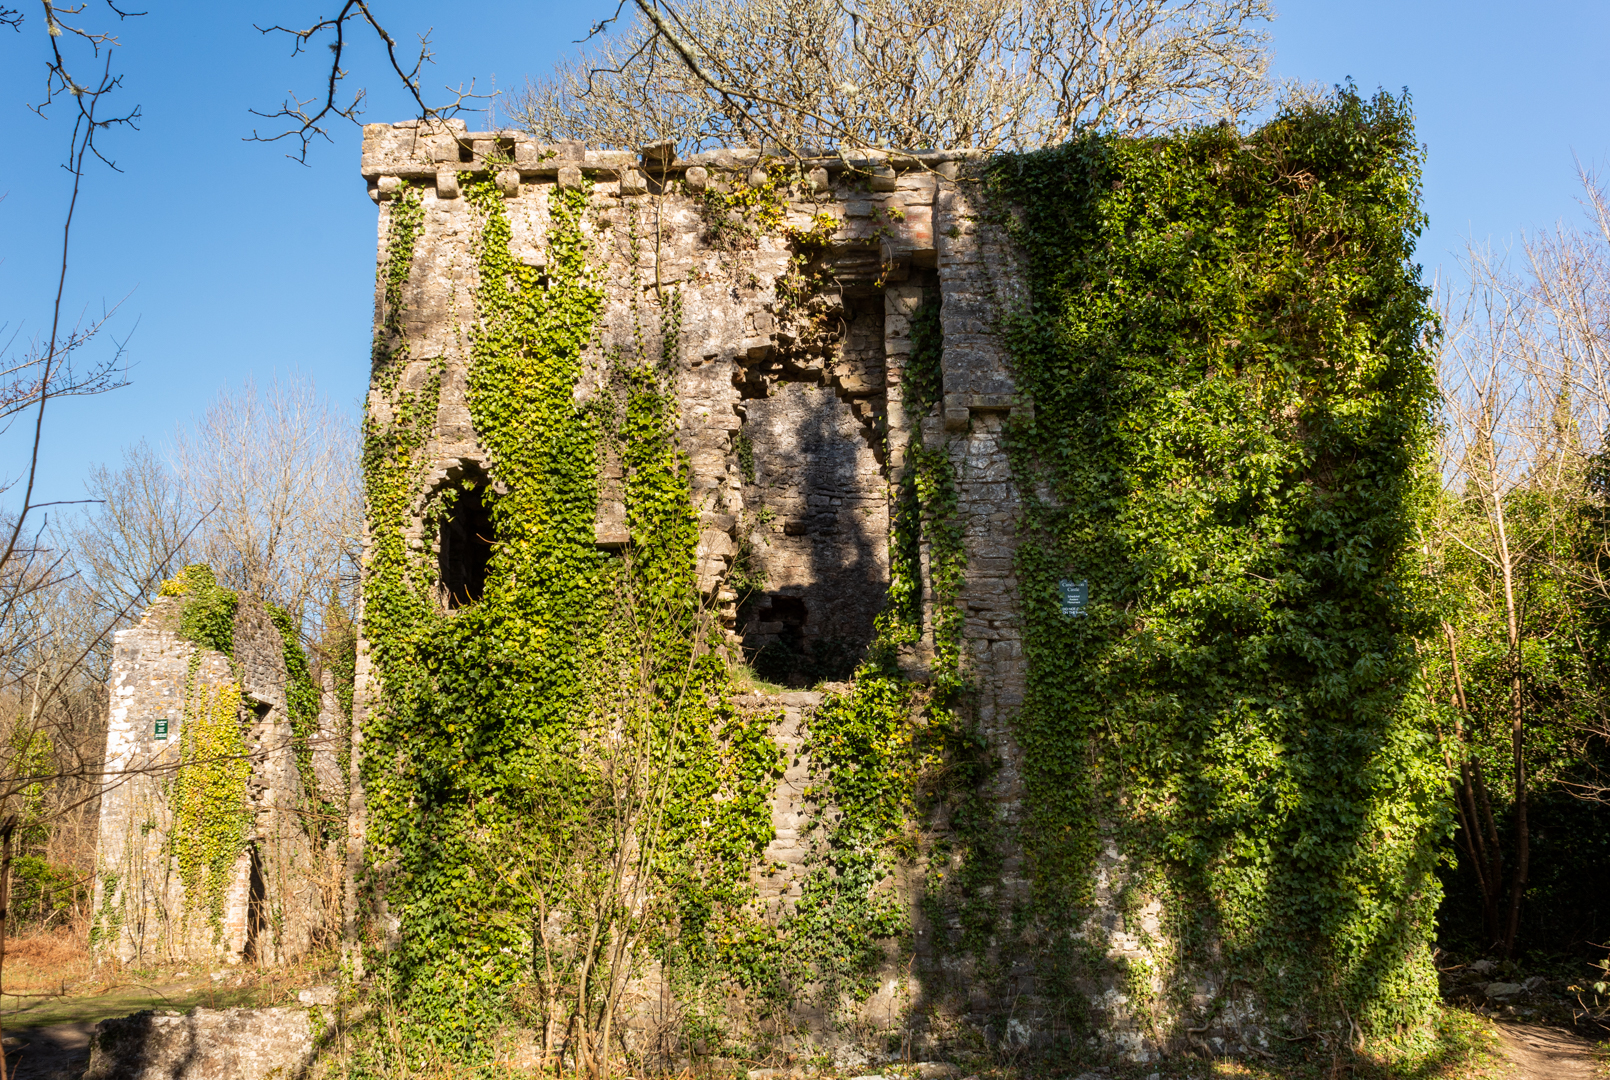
(816, 505)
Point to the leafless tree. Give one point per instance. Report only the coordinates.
(1565, 287)
(262, 487)
(1487, 453)
(803, 77)
(306, 119)
(808, 75)
(137, 529)
(275, 471)
(48, 368)
(1525, 378)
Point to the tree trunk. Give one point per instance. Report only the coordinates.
(6, 831)
(1523, 837)
(1486, 859)
(549, 990)
(1470, 824)
(1495, 863)
(1475, 847)
(584, 1000)
(1517, 726)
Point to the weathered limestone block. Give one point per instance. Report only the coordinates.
(259, 650)
(327, 747)
(633, 182)
(207, 1044)
(658, 155)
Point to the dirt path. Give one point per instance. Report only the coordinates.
(57, 1052)
(1545, 1053)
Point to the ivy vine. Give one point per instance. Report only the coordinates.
(513, 736)
(1225, 346)
(211, 815)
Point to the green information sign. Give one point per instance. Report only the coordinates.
(160, 730)
(1075, 597)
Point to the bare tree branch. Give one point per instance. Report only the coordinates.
(305, 126)
(872, 75)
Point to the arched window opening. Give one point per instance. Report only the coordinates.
(465, 547)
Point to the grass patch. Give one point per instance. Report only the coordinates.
(121, 1000)
(745, 681)
(53, 979)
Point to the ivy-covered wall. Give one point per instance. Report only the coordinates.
(216, 842)
(1225, 342)
(1135, 759)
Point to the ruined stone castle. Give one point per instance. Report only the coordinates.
(797, 439)
(788, 367)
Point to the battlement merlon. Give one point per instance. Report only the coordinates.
(415, 150)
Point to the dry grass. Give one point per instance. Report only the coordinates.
(52, 977)
(1464, 1046)
(53, 962)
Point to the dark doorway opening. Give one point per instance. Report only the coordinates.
(257, 928)
(779, 649)
(465, 547)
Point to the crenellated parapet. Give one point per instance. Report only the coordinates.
(884, 200)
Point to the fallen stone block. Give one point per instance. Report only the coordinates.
(207, 1044)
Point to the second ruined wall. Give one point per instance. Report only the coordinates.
(279, 885)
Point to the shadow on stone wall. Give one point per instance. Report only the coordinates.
(824, 548)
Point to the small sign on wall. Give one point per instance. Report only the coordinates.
(1074, 597)
(159, 730)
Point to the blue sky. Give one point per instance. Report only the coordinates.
(235, 262)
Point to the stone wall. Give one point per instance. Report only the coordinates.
(793, 422)
(282, 889)
(204, 1044)
(818, 519)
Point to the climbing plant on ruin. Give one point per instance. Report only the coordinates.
(553, 771)
(210, 815)
(207, 612)
(890, 750)
(1225, 347)
(206, 609)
